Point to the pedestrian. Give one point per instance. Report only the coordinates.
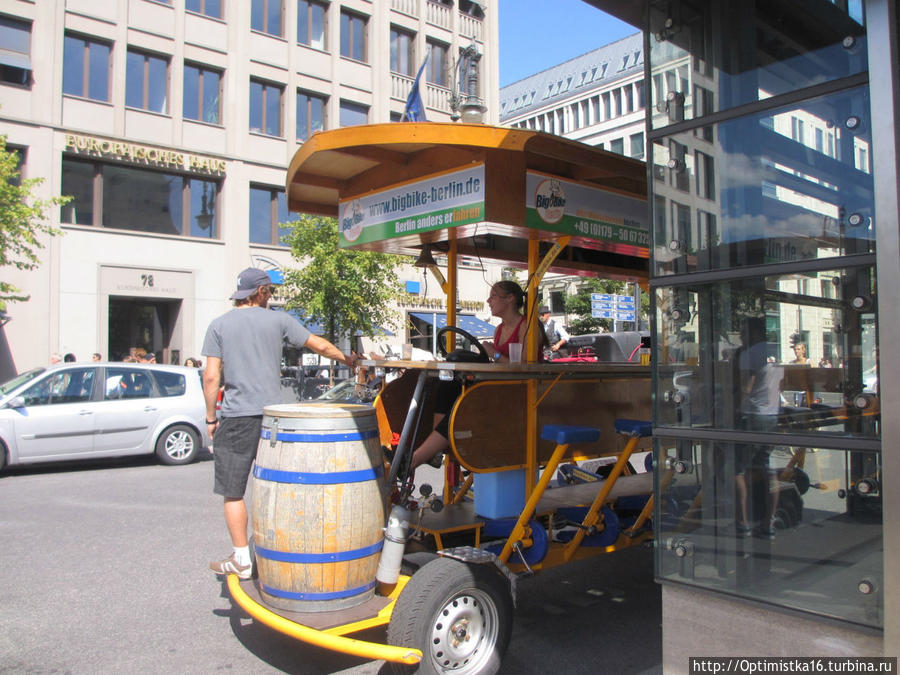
(69, 358)
(96, 356)
(244, 346)
(557, 336)
(55, 358)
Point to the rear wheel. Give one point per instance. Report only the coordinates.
(459, 615)
(179, 444)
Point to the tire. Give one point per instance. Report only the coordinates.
(179, 444)
(447, 600)
(413, 562)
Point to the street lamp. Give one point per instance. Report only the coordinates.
(469, 107)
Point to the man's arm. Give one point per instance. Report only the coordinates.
(211, 380)
(324, 348)
(563, 338)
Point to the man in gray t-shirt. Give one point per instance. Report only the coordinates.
(243, 347)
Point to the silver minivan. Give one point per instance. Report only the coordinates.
(88, 410)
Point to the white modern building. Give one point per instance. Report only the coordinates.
(171, 124)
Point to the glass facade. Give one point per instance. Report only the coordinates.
(130, 198)
(766, 412)
(784, 524)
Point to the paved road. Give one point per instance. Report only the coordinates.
(103, 570)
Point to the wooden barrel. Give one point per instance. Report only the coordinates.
(317, 509)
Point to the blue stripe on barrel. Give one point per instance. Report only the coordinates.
(336, 556)
(306, 478)
(289, 437)
(334, 595)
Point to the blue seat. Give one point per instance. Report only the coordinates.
(564, 434)
(634, 428)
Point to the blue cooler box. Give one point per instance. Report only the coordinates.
(499, 494)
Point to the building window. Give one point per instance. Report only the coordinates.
(402, 53)
(141, 200)
(266, 17)
(202, 94)
(146, 81)
(353, 36)
(310, 114)
(617, 145)
(211, 8)
(20, 153)
(15, 52)
(268, 209)
(265, 108)
(311, 23)
(353, 114)
(471, 8)
(86, 68)
(437, 70)
(637, 145)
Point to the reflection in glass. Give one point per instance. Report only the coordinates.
(203, 208)
(144, 201)
(311, 24)
(282, 215)
(134, 80)
(796, 526)
(261, 215)
(98, 82)
(790, 184)
(73, 66)
(353, 114)
(694, 72)
(78, 182)
(790, 353)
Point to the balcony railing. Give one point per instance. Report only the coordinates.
(471, 27)
(434, 96)
(400, 86)
(437, 97)
(408, 7)
(438, 14)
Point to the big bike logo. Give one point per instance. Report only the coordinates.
(550, 201)
(352, 223)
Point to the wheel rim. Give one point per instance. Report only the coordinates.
(464, 633)
(179, 444)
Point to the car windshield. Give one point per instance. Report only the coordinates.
(19, 380)
(350, 392)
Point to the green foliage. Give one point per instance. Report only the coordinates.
(346, 291)
(22, 222)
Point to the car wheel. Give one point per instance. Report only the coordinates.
(459, 615)
(3, 459)
(179, 444)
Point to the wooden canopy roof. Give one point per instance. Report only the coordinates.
(349, 162)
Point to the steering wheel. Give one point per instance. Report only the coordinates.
(442, 346)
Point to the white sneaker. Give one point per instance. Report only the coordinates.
(230, 566)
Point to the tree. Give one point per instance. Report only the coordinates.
(346, 291)
(23, 222)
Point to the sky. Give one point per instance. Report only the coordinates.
(538, 34)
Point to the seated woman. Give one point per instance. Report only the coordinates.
(507, 302)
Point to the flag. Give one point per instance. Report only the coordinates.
(415, 108)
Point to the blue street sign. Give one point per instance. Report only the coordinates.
(602, 297)
(625, 300)
(624, 316)
(603, 305)
(603, 313)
